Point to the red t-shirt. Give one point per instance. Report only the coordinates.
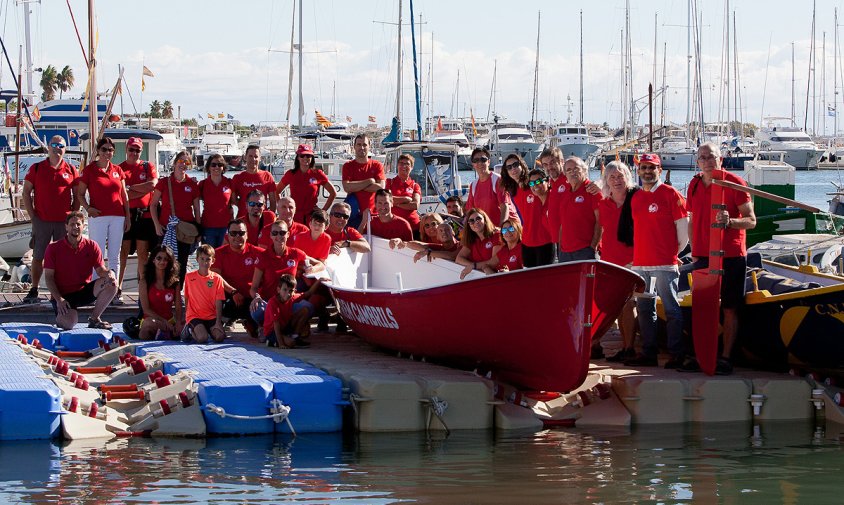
(481, 250)
(253, 232)
(274, 266)
(217, 201)
(612, 250)
(578, 207)
(487, 197)
(395, 228)
(184, 193)
(237, 268)
(244, 183)
(654, 231)
(105, 188)
(407, 188)
(317, 249)
(511, 258)
(279, 311)
(139, 174)
(77, 264)
(354, 171)
(698, 202)
(347, 233)
(555, 195)
(53, 189)
(265, 236)
(304, 190)
(534, 218)
(161, 301)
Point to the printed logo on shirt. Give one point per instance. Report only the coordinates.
(66, 175)
(226, 189)
(115, 175)
(653, 208)
(578, 199)
(513, 258)
(252, 184)
(210, 283)
(188, 189)
(488, 245)
(530, 198)
(312, 180)
(561, 188)
(248, 261)
(409, 191)
(291, 263)
(168, 297)
(142, 176)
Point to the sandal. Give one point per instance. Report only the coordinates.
(98, 324)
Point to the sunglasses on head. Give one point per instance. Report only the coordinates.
(57, 145)
(508, 229)
(133, 150)
(537, 182)
(481, 159)
(215, 164)
(340, 215)
(276, 233)
(256, 204)
(237, 233)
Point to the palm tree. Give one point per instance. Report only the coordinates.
(49, 83)
(65, 80)
(155, 109)
(167, 109)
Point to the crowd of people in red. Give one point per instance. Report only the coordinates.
(256, 239)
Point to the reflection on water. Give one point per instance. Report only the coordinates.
(778, 463)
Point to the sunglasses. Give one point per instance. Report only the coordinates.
(107, 149)
(256, 204)
(183, 162)
(216, 164)
(57, 145)
(508, 229)
(537, 182)
(237, 233)
(340, 215)
(431, 224)
(135, 150)
(482, 159)
(476, 219)
(511, 166)
(306, 155)
(276, 233)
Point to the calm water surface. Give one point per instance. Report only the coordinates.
(779, 463)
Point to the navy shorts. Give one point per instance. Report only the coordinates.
(733, 281)
(81, 298)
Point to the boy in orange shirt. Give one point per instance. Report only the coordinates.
(204, 296)
(286, 322)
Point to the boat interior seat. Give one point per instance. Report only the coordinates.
(776, 284)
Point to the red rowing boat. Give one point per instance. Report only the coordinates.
(532, 328)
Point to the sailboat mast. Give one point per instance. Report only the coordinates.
(810, 73)
(416, 86)
(491, 107)
(727, 62)
(792, 84)
(301, 98)
(737, 89)
(823, 83)
(398, 73)
(580, 117)
(835, 78)
(535, 75)
(27, 14)
(689, 67)
(93, 124)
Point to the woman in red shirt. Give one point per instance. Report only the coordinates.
(107, 203)
(305, 180)
(514, 175)
(428, 227)
(158, 290)
(186, 208)
(507, 256)
(480, 237)
(618, 186)
(217, 201)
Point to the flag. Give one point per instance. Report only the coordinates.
(229, 116)
(830, 110)
(371, 119)
(148, 72)
(221, 115)
(348, 119)
(210, 116)
(322, 120)
(143, 84)
(439, 125)
(472, 115)
(36, 114)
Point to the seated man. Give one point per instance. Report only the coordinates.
(71, 285)
(205, 292)
(385, 224)
(235, 262)
(343, 235)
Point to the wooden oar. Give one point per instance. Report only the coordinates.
(766, 195)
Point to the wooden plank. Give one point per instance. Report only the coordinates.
(766, 195)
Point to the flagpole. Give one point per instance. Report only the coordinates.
(141, 109)
(92, 83)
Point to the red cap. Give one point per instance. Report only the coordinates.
(650, 158)
(304, 149)
(135, 142)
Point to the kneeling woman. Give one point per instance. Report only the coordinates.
(508, 255)
(479, 238)
(158, 290)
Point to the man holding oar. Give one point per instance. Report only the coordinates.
(738, 216)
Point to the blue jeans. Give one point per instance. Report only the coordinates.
(258, 314)
(214, 236)
(666, 282)
(587, 253)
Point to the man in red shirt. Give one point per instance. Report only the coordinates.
(286, 212)
(342, 235)
(580, 233)
(737, 217)
(660, 232)
(235, 262)
(141, 178)
(257, 217)
(406, 193)
(362, 177)
(48, 197)
(486, 193)
(251, 179)
(385, 224)
(71, 285)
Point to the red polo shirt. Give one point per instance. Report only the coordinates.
(577, 211)
(139, 174)
(555, 195)
(265, 236)
(235, 267)
(354, 171)
(243, 183)
(395, 228)
(253, 232)
(481, 249)
(105, 188)
(698, 202)
(53, 189)
(274, 266)
(184, 193)
(279, 311)
(534, 218)
(77, 264)
(654, 230)
(304, 190)
(317, 249)
(612, 250)
(347, 233)
(406, 188)
(217, 201)
(510, 258)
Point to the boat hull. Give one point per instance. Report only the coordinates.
(14, 239)
(542, 341)
(583, 151)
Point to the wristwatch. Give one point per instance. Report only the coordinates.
(346, 243)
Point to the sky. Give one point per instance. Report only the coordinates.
(222, 56)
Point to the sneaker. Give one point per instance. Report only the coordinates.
(723, 367)
(622, 355)
(341, 327)
(118, 298)
(641, 360)
(31, 296)
(690, 365)
(674, 363)
(322, 325)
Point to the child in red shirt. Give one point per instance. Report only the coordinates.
(286, 322)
